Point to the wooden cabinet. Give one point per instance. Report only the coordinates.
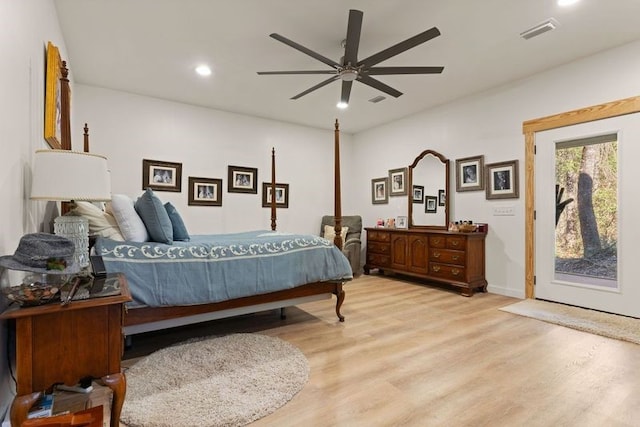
(434, 255)
(62, 344)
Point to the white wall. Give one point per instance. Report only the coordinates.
(25, 28)
(128, 128)
(490, 123)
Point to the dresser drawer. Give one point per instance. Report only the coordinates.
(378, 260)
(379, 248)
(445, 271)
(456, 242)
(437, 241)
(378, 236)
(448, 256)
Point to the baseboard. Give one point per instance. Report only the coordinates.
(514, 293)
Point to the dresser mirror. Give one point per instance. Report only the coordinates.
(429, 191)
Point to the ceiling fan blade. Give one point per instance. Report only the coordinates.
(303, 49)
(346, 91)
(318, 86)
(400, 47)
(266, 73)
(380, 71)
(377, 84)
(353, 37)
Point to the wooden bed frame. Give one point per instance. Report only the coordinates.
(145, 319)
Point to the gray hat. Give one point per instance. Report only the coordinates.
(42, 253)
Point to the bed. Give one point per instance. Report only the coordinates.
(215, 276)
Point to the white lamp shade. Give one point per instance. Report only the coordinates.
(70, 175)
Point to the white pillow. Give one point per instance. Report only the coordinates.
(128, 220)
(100, 223)
(330, 233)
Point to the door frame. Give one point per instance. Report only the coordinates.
(529, 129)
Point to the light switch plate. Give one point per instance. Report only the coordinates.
(503, 211)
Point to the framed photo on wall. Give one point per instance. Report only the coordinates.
(418, 194)
(398, 182)
(441, 197)
(470, 173)
(205, 191)
(282, 195)
(380, 190)
(161, 176)
(430, 204)
(242, 180)
(502, 180)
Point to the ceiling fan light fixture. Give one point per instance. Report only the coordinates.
(342, 105)
(348, 75)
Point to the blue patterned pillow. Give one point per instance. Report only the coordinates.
(155, 217)
(179, 229)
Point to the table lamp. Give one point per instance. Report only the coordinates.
(68, 176)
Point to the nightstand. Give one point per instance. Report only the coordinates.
(56, 344)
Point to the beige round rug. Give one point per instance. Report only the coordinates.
(223, 381)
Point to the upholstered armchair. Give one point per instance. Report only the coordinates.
(352, 244)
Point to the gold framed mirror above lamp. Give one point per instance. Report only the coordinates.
(68, 176)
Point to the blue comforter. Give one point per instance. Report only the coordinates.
(213, 268)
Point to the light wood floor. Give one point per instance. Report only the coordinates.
(414, 355)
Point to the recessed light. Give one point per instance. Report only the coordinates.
(342, 105)
(567, 2)
(203, 70)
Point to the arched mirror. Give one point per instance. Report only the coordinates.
(429, 191)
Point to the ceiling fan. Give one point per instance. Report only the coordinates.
(350, 68)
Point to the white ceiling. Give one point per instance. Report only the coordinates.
(151, 47)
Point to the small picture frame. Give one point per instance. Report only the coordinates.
(470, 174)
(282, 195)
(442, 197)
(242, 180)
(430, 204)
(401, 222)
(161, 176)
(398, 182)
(205, 191)
(418, 194)
(379, 191)
(502, 180)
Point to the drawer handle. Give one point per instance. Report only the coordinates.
(436, 268)
(436, 241)
(436, 254)
(455, 271)
(455, 257)
(455, 242)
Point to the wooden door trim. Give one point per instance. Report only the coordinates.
(529, 128)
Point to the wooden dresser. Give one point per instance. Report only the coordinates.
(434, 255)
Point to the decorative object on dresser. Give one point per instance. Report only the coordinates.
(470, 173)
(161, 176)
(398, 182)
(282, 195)
(380, 191)
(205, 191)
(242, 180)
(502, 180)
(65, 175)
(438, 256)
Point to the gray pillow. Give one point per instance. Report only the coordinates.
(179, 229)
(155, 217)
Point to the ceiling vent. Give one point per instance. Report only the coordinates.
(543, 27)
(378, 99)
